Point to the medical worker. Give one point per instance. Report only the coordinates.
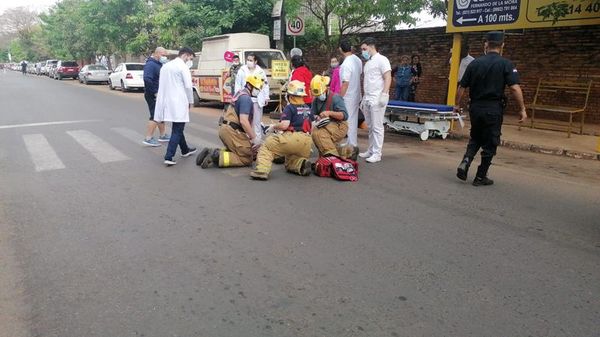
(376, 87)
(350, 72)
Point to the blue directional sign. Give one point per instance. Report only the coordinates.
(467, 13)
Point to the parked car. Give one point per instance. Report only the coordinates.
(93, 73)
(127, 76)
(66, 69)
(52, 69)
(47, 65)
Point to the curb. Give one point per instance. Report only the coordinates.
(538, 148)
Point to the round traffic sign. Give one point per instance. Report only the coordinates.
(295, 25)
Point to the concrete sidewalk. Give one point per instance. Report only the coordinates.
(543, 141)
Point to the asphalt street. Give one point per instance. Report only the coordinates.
(99, 238)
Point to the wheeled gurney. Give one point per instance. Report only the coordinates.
(423, 119)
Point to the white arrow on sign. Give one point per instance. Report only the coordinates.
(462, 19)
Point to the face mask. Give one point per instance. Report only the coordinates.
(323, 97)
(163, 59)
(365, 55)
(334, 65)
(250, 64)
(255, 92)
(236, 63)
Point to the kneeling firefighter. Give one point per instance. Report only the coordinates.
(331, 115)
(292, 138)
(236, 131)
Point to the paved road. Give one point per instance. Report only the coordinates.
(98, 238)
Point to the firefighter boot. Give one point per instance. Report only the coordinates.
(203, 153)
(212, 159)
(305, 168)
(258, 175)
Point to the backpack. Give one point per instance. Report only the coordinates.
(336, 167)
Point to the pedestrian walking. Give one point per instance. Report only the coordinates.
(174, 101)
(487, 77)
(376, 87)
(24, 67)
(252, 67)
(350, 73)
(151, 80)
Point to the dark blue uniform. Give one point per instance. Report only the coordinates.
(487, 77)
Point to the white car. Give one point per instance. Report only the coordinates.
(127, 76)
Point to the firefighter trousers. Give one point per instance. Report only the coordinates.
(238, 151)
(294, 146)
(327, 138)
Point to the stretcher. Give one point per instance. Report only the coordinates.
(424, 119)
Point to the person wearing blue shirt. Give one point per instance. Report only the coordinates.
(404, 74)
(151, 77)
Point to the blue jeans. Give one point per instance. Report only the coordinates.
(177, 138)
(402, 93)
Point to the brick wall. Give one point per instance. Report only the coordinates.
(572, 52)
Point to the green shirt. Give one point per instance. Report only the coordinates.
(332, 103)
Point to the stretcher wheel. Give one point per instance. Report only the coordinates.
(444, 135)
(424, 135)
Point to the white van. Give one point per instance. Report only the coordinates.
(211, 77)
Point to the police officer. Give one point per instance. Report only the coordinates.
(487, 77)
(236, 131)
(330, 112)
(291, 139)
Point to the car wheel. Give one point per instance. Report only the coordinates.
(85, 81)
(59, 77)
(123, 88)
(110, 86)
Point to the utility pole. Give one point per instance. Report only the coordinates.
(278, 16)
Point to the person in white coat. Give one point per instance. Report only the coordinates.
(252, 68)
(376, 88)
(174, 101)
(350, 72)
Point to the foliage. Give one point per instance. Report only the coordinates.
(557, 10)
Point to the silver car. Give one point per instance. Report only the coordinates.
(93, 73)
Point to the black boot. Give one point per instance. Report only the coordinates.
(463, 168)
(481, 178)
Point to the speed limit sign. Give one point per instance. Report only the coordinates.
(295, 26)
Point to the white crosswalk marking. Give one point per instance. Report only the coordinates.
(132, 135)
(200, 127)
(42, 154)
(100, 149)
(199, 142)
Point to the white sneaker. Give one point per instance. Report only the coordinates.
(365, 154)
(373, 159)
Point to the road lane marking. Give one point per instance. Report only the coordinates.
(201, 142)
(41, 152)
(132, 135)
(14, 126)
(200, 127)
(101, 150)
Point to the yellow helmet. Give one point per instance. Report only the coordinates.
(318, 85)
(255, 81)
(296, 88)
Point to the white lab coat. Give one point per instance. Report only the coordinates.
(174, 93)
(260, 101)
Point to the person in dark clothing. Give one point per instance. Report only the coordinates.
(417, 71)
(24, 67)
(151, 76)
(487, 77)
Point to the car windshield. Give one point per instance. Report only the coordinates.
(134, 66)
(97, 68)
(69, 64)
(52, 62)
(266, 57)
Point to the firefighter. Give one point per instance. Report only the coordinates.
(291, 139)
(236, 131)
(331, 114)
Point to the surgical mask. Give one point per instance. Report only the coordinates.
(250, 64)
(163, 59)
(334, 65)
(255, 92)
(365, 55)
(189, 63)
(323, 97)
(236, 63)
